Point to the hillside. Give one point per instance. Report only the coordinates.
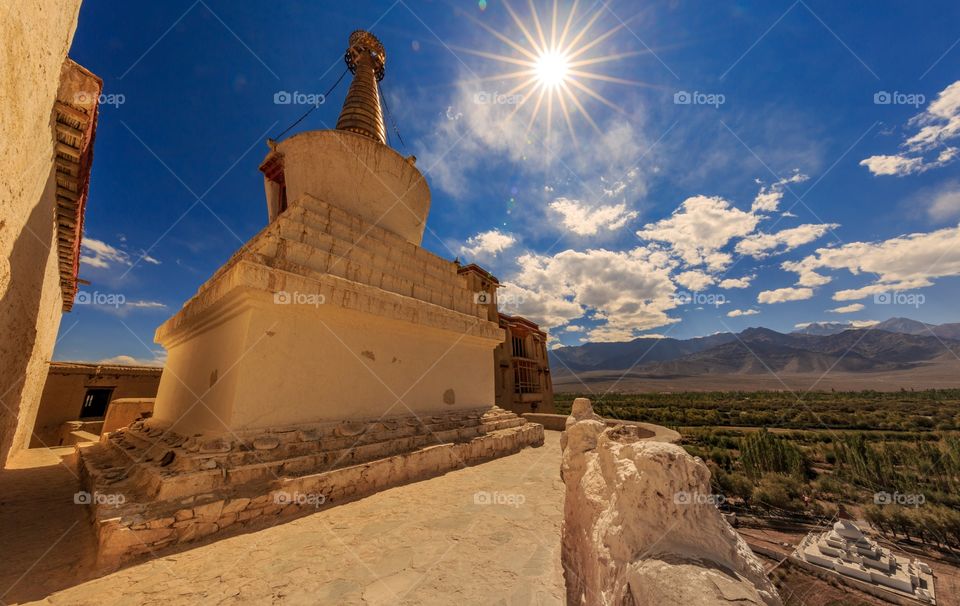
(901, 345)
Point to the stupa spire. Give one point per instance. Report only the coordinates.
(361, 111)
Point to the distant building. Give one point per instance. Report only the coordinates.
(862, 563)
(77, 397)
(521, 365)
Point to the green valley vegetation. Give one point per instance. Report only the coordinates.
(867, 410)
(895, 457)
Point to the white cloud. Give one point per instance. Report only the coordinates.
(743, 282)
(854, 294)
(611, 334)
(768, 198)
(736, 313)
(586, 220)
(702, 226)
(487, 244)
(847, 309)
(805, 268)
(146, 304)
(760, 245)
(694, 279)
(902, 263)
(938, 124)
(699, 228)
(628, 291)
(574, 328)
(767, 201)
(945, 204)
(99, 254)
(543, 307)
(124, 360)
(893, 165)
(782, 295)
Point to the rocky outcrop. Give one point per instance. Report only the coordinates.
(640, 526)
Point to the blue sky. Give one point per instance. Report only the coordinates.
(752, 163)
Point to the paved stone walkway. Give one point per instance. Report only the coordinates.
(46, 541)
(433, 542)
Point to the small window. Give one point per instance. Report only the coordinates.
(518, 349)
(95, 403)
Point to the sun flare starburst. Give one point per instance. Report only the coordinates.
(552, 68)
(553, 60)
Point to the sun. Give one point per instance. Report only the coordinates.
(553, 63)
(552, 68)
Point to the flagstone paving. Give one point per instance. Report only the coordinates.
(488, 534)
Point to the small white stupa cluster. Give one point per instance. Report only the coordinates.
(847, 552)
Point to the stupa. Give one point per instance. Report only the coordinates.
(330, 357)
(859, 561)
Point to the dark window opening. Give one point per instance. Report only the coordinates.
(283, 198)
(95, 403)
(273, 171)
(518, 350)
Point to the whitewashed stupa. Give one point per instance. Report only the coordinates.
(329, 358)
(845, 551)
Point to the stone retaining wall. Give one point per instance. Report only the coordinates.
(122, 538)
(647, 431)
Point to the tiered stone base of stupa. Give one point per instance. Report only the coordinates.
(328, 359)
(151, 491)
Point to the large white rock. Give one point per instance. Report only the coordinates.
(639, 528)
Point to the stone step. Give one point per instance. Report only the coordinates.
(503, 424)
(249, 467)
(143, 527)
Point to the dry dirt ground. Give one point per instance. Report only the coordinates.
(426, 543)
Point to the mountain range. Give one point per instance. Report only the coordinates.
(899, 325)
(895, 344)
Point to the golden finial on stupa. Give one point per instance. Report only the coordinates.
(361, 111)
